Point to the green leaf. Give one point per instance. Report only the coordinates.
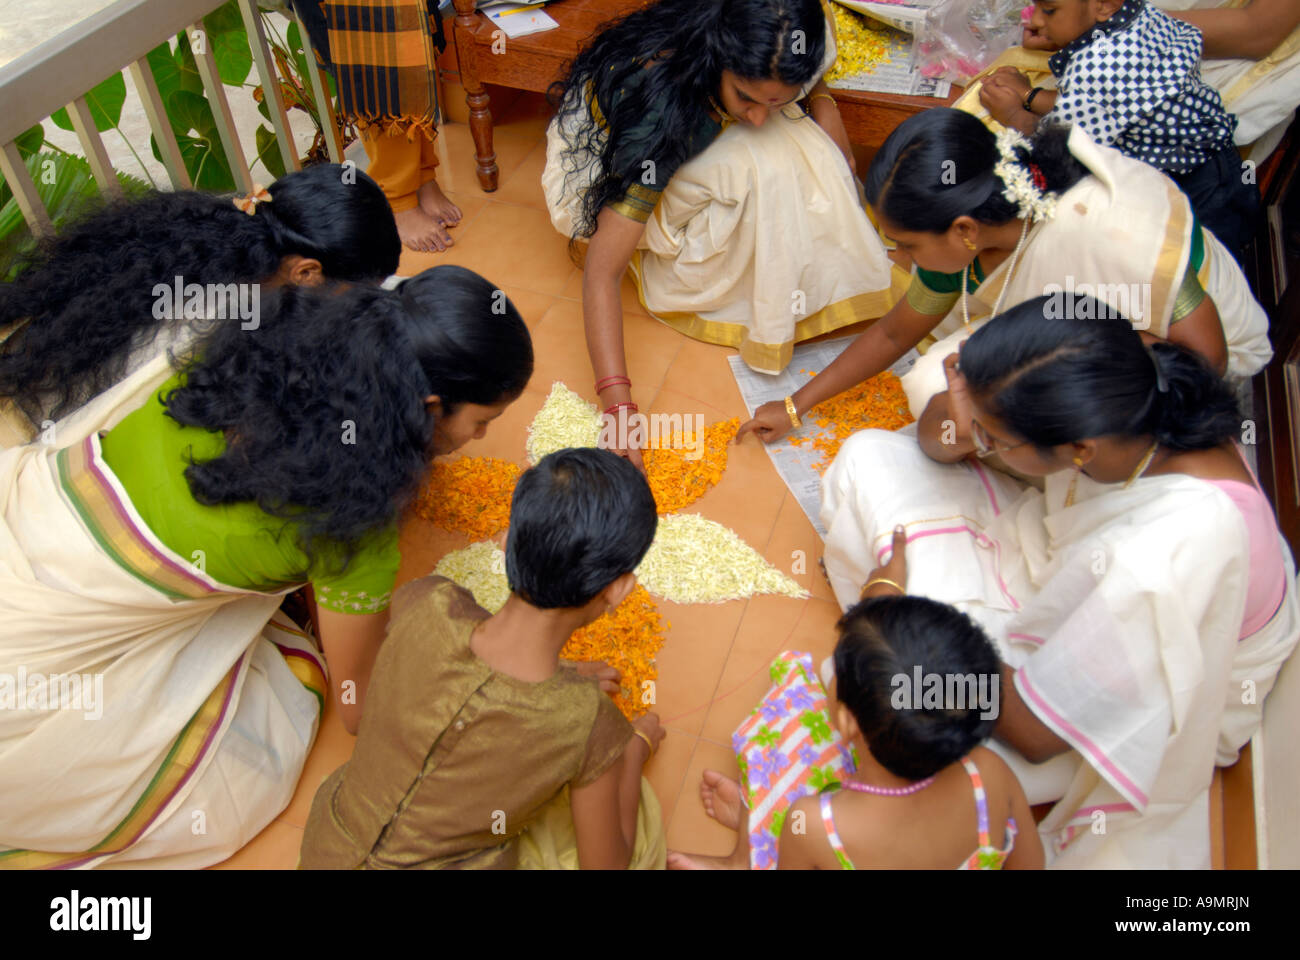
(190, 113)
(268, 152)
(207, 164)
(229, 43)
(196, 134)
(30, 141)
(105, 101)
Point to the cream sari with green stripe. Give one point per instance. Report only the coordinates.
(210, 698)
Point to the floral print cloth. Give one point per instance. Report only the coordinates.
(787, 749)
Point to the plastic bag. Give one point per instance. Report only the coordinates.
(959, 38)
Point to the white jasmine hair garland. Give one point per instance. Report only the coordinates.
(1025, 183)
(1026, 186)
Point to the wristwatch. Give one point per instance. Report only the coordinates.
(1029, 98)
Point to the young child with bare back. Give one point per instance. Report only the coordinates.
(914, 694)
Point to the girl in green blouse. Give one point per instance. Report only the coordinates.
(153, 548)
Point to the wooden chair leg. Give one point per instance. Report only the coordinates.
(480, 128)
(476, 96)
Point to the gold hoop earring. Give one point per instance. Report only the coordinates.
(970, 244)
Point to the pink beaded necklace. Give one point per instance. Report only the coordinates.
(889, 791)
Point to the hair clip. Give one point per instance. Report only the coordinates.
(249, 203)
(1162, 385)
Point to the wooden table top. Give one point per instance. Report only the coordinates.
(578, 21)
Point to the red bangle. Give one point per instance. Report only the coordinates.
(618, 406)
(608, 382)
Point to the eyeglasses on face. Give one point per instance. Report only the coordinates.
(985, 445)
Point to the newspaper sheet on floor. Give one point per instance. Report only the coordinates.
(797, 465)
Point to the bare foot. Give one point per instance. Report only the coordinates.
(438, 205)
(696, 861)
(419, 231)
(721, 798)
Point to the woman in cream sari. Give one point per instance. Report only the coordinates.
(147, 549)
(679, 152)
(997, 220)
(1143, 603)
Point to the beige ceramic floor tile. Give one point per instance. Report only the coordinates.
(666, 770)
(691, 830)
(691, 661)
(275, 848)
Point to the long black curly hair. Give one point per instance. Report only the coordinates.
(85, 301)
(691, 43)
(323, 404)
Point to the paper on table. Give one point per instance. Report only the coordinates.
(797, 465)
(518, 20)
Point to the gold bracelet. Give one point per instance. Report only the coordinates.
(826, 95)
(871, 583)
(646, 739)
(794, 417)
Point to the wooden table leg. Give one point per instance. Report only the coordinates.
(476, 96)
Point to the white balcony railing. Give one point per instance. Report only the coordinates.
(59, 72)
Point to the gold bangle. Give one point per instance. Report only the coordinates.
(646, 739)
(871, 583)
(826, 95)
(794, 417)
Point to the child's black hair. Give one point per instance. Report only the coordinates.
(882, 642)
(579, 520)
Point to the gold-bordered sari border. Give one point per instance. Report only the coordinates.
(111, 520)
(775, 357)
(187, 751)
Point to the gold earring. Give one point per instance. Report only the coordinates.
(970, 244)
(1074, 480)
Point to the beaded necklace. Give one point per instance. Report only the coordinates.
(889, 791)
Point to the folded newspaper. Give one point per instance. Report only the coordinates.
(901, 16)
(876, 49)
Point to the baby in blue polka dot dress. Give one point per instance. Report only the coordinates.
(1129, 75)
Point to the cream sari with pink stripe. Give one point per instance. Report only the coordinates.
(1121, 616)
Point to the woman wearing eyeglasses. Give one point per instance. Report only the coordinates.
(1135, 601)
